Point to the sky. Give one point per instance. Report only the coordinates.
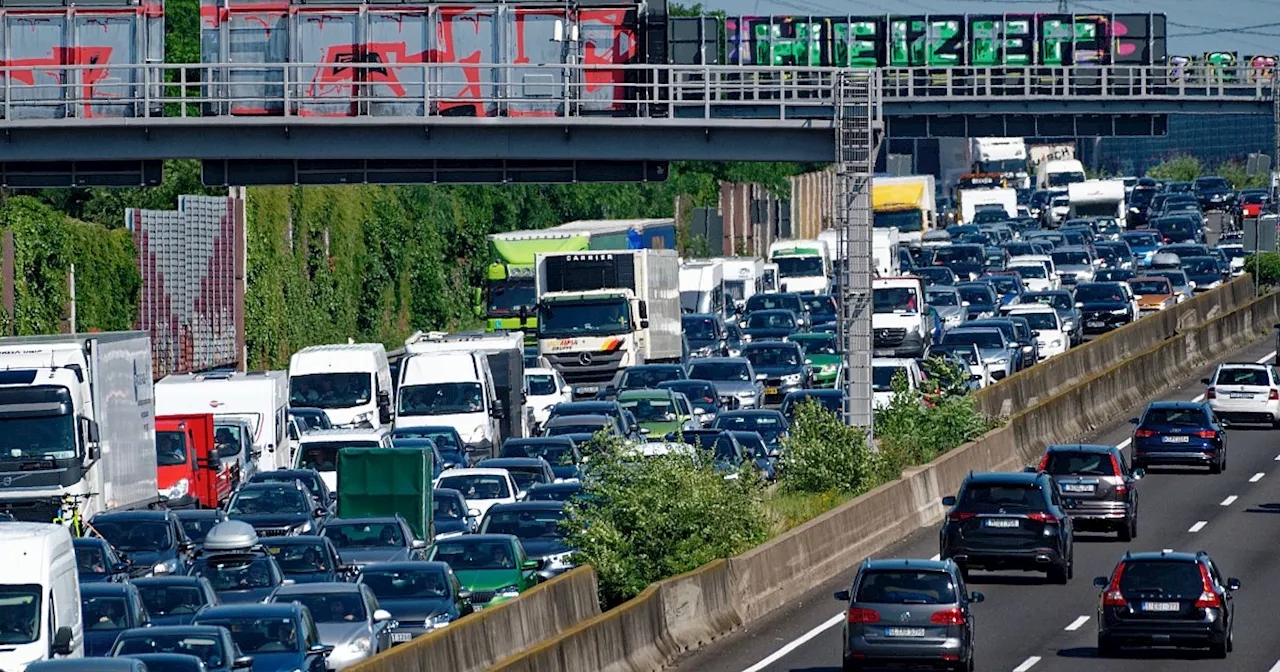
(1194, 26)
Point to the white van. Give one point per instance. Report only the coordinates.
(351, 382)
(452, 389)
(40, 588)
(259, 398)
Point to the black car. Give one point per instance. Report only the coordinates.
(453, 452)
(1214, 193)
(982, 298)
(537, 525)
(172, 662)
(277, 636)
(1178, 229)
(208, 643)
(781, 366)
(1098, 487)
(702, 396)
(554, 492)
(1179, 433)
(769, 424)
(362, 541)
(106, 610)
(608, 408)
(706, 334)
(196, 523)
(967, 261)
(153, 541)
(1204, 273)
(277, 509)
(240, 577)
(1166, 599)
(1009, 521)
(175, 600)
(774, 325)
(421, 596)
(320, 492)
(775, 301)
(1104, 306)
(939, 276)
(308, 558)
(560, 452)
(97, 561)
(832, 400)
(822, 308)
(726, 454)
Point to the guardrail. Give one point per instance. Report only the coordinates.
(40, 93)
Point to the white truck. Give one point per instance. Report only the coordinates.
(79, 416)
(1006, 157)
(600, 312)
(743, 277)
(1097, 198)
(1049, 151)
(350, 381)
(804, 266)
(884, 251)
(970, 199)
(1059, 173)
(256, 399)
(702, 288)
(40, 591)
(900, 321)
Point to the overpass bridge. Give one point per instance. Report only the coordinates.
(258, 123)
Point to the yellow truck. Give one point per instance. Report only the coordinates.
(906, 204)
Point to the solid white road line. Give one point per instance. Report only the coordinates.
(1198, 398)
(1027, 664)
(1125, 444)
(1277, 458)
(1229, 501)
(1257, 477)
(1077, 624)
(1264, 360)
(1275, 668)
(797, 643)
(1198, 526)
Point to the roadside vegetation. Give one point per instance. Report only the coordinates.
(1188, 168)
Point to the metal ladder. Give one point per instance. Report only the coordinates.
(858, 129)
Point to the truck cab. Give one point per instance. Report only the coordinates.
(901, 324)
(804, 266)
(1058, 174)
(190, 471)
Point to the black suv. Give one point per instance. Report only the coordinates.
(1009, 521)
(1097, 486)
(1166, 599)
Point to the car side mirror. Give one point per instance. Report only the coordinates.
(842, 595)
(473, 513)
(530, 564)
(1138, 474)
(567, 389)
(977, 597)
(417, 544)
(242, 663)
(464, 595)
(381, 615)
(1133, 421)
(1233, 584)
(62, 641)
(975, 377)
(760, 377)
(949, 500)
(1079, 304)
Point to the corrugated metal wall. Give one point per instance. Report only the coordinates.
(753, 218)
(192, 299)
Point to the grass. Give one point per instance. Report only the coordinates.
(787, 510)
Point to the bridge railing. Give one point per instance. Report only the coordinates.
(40, 94)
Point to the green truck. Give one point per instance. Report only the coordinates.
(386, 482)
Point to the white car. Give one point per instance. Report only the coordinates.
(883, 371)
(1050, 334)
(544, 388)
(1037, 271)
(481, 487)
(1245, 393)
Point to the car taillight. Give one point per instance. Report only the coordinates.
(1211, 393)
(947, 617)
(1043, 517)
(1273, 395)
(1206, 434)
(1112, 597)
(858, 615)
(960, 515)
(1044, 462)
(1144, 433)
(1208, 598)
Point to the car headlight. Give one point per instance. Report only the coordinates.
(508, 591)
(746, 338)
(303, 528)
(746, 395)
(829, 368)
(791, 379)
(358, 646)
(438, 621)
(161, 568)
(1002, 360)
(1120, 311)
(363, 418)
(179, 489)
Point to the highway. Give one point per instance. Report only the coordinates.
(1026, 625)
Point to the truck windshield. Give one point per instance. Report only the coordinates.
(171, 449)
(800, 267)
(441, 399)
(1063, 179)
(507, 297)
(906, 221)
(586, 318)
(735, 289)
(894, 300)
(691, 300)
(331, 390)
(38, 437)
(1003, 166)
(1094, 209)
(20, 607)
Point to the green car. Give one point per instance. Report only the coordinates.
(661, 412)
(823, 355)
(493, 567)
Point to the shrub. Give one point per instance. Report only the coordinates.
(822, 454)
(1178, 169)
(1265, 267)
(915, 432)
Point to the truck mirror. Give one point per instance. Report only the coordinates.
(384, 415)
(89, 430)
(62, 641)
(644, 310)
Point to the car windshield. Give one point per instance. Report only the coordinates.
(445, 439)
(1058, 301)
(1176, 278)
(722, 371)
(204, 647)
(831, 402)
(637, 378)
(391, 584)
(719, 443)
(773, 302)
(300, 558)
(1071, 258)
(976, 296)
(1099, 293)
(330, 390)
(906, 587)
(135, 535)
(197, 528)
(1141, 239)
(770, 320)
(1212, 183)
(566, 430)
(894, 300)
(1162, 577)
(19, 613)
(241, 572)
(323, 455)
(992, 498)
(282, 500)
(1233, 252)
(986, 338)
(1005, 284)
(1070, 463)
(171, 449)
(477, 486)
(700, 328)
(525, 477)
(540, 384)
(820, 306)
(329, 607)
(1031, 271)
(171, 600)
(817, 345)
(553, 453)
(1242, 376)
(1046, 321)
(259, 635)
(967, 355)
(91, 561)
(772, 356)
(366, 535)
(943, 298)
(1179, 417)
(1150, 287)
(1201, 266)
(441, 399)
(882, 377)
(525, 524)
(651, 410)
(310, 480)
(473, 554)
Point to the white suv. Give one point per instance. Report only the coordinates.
(1245, 393)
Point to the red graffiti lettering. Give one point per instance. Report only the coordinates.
(24, 70)
(613, 46)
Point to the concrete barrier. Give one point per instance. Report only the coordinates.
(477, 641)
(646, 633)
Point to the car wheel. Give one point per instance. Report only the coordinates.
(1129, 529)
(1059, 574)
(1218, 650)
(1217, 466)
(1107, 648)
(850, 666)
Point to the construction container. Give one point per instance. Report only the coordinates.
(374, 482)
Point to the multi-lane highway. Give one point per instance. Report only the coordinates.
(1027, 625)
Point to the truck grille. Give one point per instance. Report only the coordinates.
(601, 367)
(32, 510)
(885, 338)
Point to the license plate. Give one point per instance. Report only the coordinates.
(883, 352)
(904, 632)
(770, 390)
(1095, 324)
(1161, 606)
(1077, 487)
(591, 389)
(1176, 439)
(1001, 522)
(1241, 395)
(401, 636)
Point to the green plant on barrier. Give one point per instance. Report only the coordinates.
(822, 454)
(1264, 267)
(645, 519)
(1187, 168)
(1177, 169)
(916, 432)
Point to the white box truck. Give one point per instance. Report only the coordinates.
(40, 593)
(743, 277)
(258, 398)
(702, 288)
(77, 425)
(970, 199)
(804, 266)
(1097, 198)
(600, 312)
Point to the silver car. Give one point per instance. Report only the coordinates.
(952, 309)
(347, 616)
(734, 378)
(1075, 263)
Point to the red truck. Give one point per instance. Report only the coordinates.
(190, 471)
